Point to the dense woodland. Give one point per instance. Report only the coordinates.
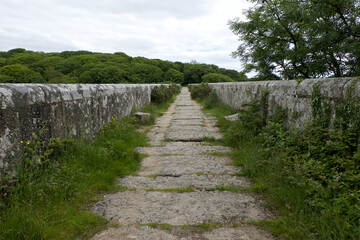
(24, 66)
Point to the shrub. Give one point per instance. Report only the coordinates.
(313, 170)
(212, 100)
(310, 175)
(200, 91)
(19, 74)
(163, 93)
(216, 77)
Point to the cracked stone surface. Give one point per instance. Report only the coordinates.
(206, 182)
(176, 185)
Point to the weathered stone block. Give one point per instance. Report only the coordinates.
(232, 118)
(142, 117)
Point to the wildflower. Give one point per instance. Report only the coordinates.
(21, 141)
(27, 142)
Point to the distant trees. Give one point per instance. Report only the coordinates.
(15, 73)
(195, 72)
(216, 77)
(300, 39)
(20, 65)
(103, 73)
(145, 73)
(173, 75)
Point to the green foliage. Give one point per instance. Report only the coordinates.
(199, 91)
(103, 73)
(194, 73)
(212, 100)
(89, 67)
(39, 152)
(300, 39)
(19, 74)
(157, 108)
(2, 61)
(254, 114)
(145, 73)
(163, 93)
(25, 58)
(51, 201)
(173, 75)
(46, 63)
(216, 77)
(237, 76)
(310, 176)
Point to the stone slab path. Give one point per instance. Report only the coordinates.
(175, 189)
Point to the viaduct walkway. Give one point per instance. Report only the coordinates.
(177, 191)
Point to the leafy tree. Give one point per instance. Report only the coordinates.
(20, 65)
(174, 76)
(122, 56)
(54, 76)
(26, 58)
(2, 61)
(46, 63)
(76, 62)
(145, 73)
(103, 73)
(194, 72)
(67, 54)
(19, 74)
(15, 51)
(216, 77)
(300, 39)
(237, 76)
(180, 66)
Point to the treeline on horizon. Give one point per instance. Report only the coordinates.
(24, 66)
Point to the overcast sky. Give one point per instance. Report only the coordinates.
(175, 30)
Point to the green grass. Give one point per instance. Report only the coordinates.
(53, 201)
(276, 227)
(172, 190)
(282, 171)
(171, 154)
(205, 226)
(217, 154)
(231, 188)
(161, 226)
(156, 110)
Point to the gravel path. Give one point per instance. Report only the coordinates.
(179, 190)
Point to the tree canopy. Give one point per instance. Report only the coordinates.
(300, 38)
(22, 66)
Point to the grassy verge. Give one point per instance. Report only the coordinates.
(52, 200)
(310, 176)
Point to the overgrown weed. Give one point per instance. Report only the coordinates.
(48, 203)
(51, 195)
(309, 176)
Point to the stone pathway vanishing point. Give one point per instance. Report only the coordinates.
(180, 160)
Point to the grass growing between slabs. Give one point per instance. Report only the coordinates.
(52, 199)
(310, 176)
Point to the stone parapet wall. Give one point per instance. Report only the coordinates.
(292, 95)
(71, 110)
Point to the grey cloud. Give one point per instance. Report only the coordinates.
(184, 9)
(167, 29)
